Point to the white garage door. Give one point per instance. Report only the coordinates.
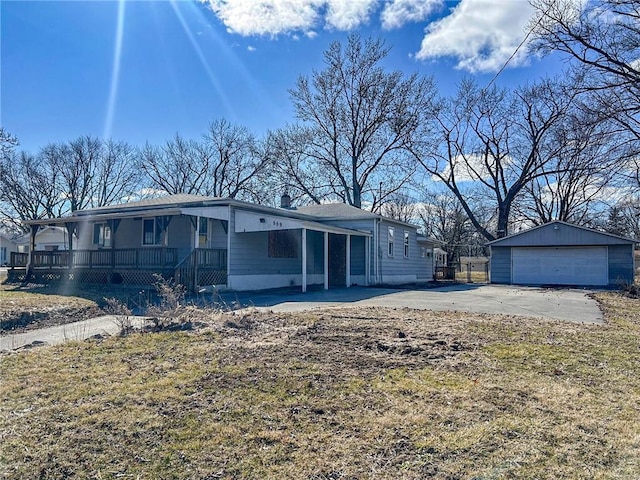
(560, 266)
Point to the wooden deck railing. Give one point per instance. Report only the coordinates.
(202, 266)
(190, 271)
(152, 257)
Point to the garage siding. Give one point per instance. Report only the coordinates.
(500, 265)
(620, 264)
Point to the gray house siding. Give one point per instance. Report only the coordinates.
(620, 264)
(358, 255)
(564, 236)
(128, 234)
(500, 265)
(578, 241)
(217, 235)
(180, 235)
(315, 252)
(250, 255)
(398, 265)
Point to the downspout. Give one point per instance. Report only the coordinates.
(376, 252)
(229, 245)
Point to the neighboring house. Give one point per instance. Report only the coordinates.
(440, 257)
(203, 241)
(559, 253)
(7, 246)
(48, 238)
(474, 264)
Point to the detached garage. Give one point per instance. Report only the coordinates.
(559, 253)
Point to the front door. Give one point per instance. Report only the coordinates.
(337, 260)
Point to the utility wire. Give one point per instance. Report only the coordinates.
(524, 40)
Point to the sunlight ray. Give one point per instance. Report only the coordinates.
(238, 64)
(214, 81)
(115, 71)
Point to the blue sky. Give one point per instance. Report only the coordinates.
(144, 70)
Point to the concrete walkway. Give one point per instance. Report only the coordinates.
(105, 325)
(570, 305)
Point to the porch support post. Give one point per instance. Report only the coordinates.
(304, 260)
(196, 241)
(113, 226)
(367, 260)
(71, 227)
(325, 258)
(348, 261)
(32, 247)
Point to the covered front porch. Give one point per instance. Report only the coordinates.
(269, 251)
(125, 266)
(221, 247)
(130, 249)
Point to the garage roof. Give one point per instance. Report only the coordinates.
(559, 233)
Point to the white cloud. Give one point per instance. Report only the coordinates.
(348, 14)
(481, 34)
(274, 17)
(398, 12)
(251, 48)
(266, 17)
(471, 168)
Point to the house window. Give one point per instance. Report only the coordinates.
(203, 232)
(283, 244)
(3, 255)
(423, 252)
(101, 235)
(391, 241)
(151, 231)
(406, 244)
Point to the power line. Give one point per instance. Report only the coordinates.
(524, 40)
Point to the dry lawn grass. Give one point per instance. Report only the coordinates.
(22, 309)
(366, 393)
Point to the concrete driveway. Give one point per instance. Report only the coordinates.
(560, 304)
(571, 305)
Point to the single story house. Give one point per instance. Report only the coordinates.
(474, 264)
(558, 253)
(206, 241)
(440, 257)
(7, 246)
(48, 238)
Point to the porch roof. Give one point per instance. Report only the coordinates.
(252, 221)
(216, 210)
(434, 241)
(171, 205)
(103, 217)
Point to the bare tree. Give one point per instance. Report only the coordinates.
(293, 168)
(227, 162)
(8, 142)
(28, 189)
(360, 117)
(91, 172)
(602, 38)
(489, 144)
(237, 161)
(574, 185)
(179, 166)
(623, 218)
(115, 177)
(65, 177)
(400, 206)
(444, 218)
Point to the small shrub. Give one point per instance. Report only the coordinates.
(170, 313)
(630, 289)
(122, 313)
